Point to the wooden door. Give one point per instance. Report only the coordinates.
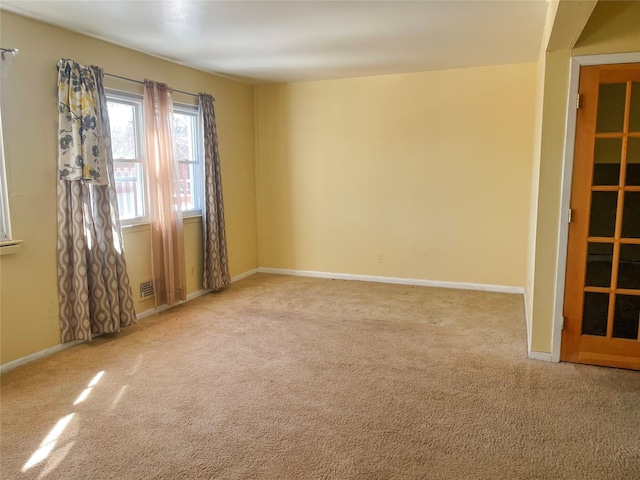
(602, 292)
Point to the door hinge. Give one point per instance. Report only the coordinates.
(578, 98)
(562, 323)
(569, 215)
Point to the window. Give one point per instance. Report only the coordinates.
(129, 166)
(188, 152)
(129, 161)
(5, 224)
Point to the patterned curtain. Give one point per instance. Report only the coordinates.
(216, 262)
(94, 292)
(167, 237)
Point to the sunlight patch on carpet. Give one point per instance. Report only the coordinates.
(48, 443)
(55, 458)
(118, 397)
(85, 393)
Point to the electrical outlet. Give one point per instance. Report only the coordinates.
(193, 270)
(380, 258)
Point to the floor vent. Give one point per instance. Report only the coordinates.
(146, 289)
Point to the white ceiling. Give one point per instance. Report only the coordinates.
(284, 41)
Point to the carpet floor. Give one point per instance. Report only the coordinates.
(283, 377)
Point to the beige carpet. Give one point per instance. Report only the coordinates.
(296, 378)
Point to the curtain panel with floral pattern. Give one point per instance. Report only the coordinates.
(94, 291)
(81, 139)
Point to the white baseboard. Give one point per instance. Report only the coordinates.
(244, 275)
(162, 308)
(527, 321)
(151, 311)
(395, 280)
(301, 273)
(38, 355)
(196, 294)
(63, 346)
(543, 356)
(191, 296)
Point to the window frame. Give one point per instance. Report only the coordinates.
(198, 186)
(5, 215)
(136, 101)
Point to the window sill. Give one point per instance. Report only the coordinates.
(135, 227)
(7, 247)
(146, 225)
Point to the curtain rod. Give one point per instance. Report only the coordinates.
(142, 83)
(8, 51)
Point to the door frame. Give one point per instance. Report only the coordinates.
(567, 176)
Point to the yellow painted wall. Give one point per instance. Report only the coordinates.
(612, 28)
(431, 169)
(29, 302)
(548, 204)
(137, 239)
(541, 73)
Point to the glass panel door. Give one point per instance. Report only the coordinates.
(612, 301)
(602, 292)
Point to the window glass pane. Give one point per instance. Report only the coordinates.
(123, 132)
(634, 113)
(129, 177)
(631, 215)
(187, 176)
(128, 155)
(633, 160)
(185, 137)
(595, 313)
(610, 117)
(599, 261)
(627, 316)
(187, 151)
(603, 214)
(4, 213)
(3, 233)
(629, 267)
(606, 166)
(5, 227)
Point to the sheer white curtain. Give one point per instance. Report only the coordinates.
(167, 237)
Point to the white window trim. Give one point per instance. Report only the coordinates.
(5, 219)
(8, 244)
(137, 101)
(183, 108)
(198, 187)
